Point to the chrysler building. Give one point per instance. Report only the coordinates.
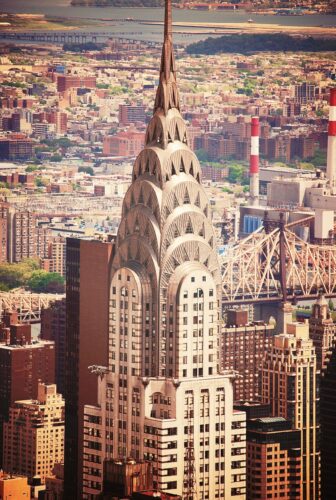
(162, 397)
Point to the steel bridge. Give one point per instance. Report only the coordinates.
(28, 305)
(61, 37)
(273, 264)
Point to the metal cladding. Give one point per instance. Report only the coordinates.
(167, 96)
(254, 161)
(166, 229)
(331, 156)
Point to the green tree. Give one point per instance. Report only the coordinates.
(236, 174)
(32, 168)
(87, 170)
(40, 182)
(42, 281)
(202, 155)
(56, 157)
(17, 274)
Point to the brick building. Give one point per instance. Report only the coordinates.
(215, 174)
(53, 329)
(87, 309)
(22, 235)
(289, 385)
(23, 363)
(56, 117)
(3, 231)
(66, 82)
(244, 345)
(16, 147)
(34, 434)
(322, 331)
(131, 113)
(127, 143)
(273, 459)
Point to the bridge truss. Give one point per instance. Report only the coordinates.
(277, 265)
(28, 305)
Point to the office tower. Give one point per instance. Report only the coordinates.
(244, 345)
(273, 459)
(131, 113)
(53, 326)
(22, 235)
(322, 331)
(328, 427)
(34, 434)
(14, 487)
(289, 385)
(87, 305)
(22, 364)
(163, 398)
(16, 147)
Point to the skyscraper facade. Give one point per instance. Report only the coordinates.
(328, 428)
(273, 459)
(322, 331)
(34, 434)
(86, 343)
(163, 398)
(53, 328)
(22, 235)
(244, 344)
(289, 385)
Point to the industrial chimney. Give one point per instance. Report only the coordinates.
(254, 162)
(331, 156)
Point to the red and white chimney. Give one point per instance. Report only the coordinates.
(254, 162)
(331, 156)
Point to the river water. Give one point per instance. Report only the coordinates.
(62, 8)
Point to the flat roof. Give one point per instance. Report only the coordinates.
(271, 420)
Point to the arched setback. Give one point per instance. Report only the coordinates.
(143, 192)
(163, 383)
(141, 221)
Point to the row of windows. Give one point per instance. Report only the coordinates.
(124, 290)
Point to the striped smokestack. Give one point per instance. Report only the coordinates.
(254, 162)
(331, 156)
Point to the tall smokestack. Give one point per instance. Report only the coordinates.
(331, 156)
(254, 162)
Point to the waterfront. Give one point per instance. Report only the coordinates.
(126, 21)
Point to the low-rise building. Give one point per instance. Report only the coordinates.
(14, 487)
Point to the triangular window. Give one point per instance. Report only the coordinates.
(186, 199)
(189, 228)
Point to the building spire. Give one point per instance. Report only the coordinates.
(167, 92)
(168, 31)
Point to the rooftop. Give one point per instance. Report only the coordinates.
(271, 420)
